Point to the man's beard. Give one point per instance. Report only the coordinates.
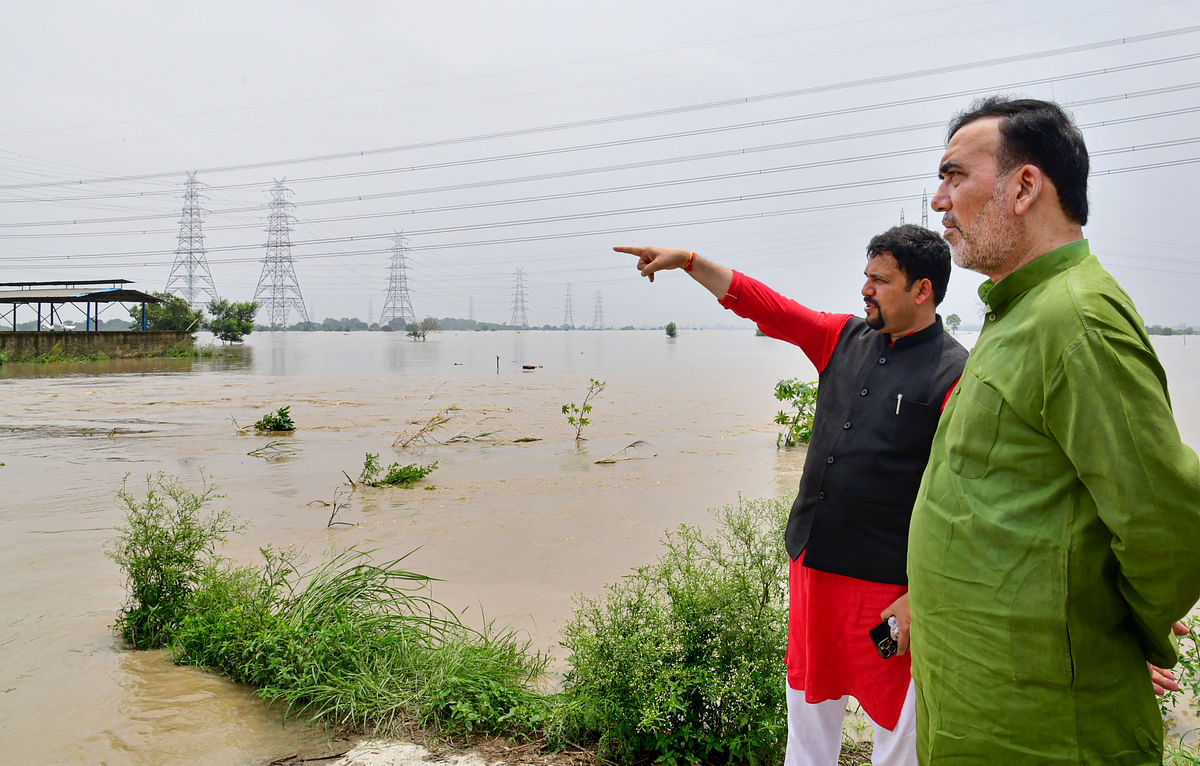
(877, 321)
(991, 240)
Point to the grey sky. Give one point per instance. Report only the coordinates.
(138, 93)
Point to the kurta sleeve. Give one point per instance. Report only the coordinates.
(780, 317)
(1107, 404)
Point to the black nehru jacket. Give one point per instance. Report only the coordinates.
(877, 410)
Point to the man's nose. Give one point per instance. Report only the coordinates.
(941, 200)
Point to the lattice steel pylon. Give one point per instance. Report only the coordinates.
(278, 291)
(190, 278)
(398, 304)
(598, 313)
(924, 209)
(519, 317)
(568, 314)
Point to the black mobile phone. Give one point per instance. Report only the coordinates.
(881, 636)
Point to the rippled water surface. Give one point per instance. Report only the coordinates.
(512, 528)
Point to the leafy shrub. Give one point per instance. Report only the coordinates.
(164, 545)
(395, 475)
(279, 420)
(360, 646)
(672, 331)
(803, 398)
(682, 660)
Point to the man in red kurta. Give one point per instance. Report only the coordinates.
(883, 380)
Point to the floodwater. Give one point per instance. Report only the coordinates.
(513, 529)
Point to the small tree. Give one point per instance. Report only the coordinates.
(671, 330)
(173, 313)
(418, 330)
(230, 320)
(953, 322)
(578, 415)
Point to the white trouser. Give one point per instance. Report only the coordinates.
(815, 733)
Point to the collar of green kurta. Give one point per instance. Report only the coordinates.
(920, 336)
(997, 295)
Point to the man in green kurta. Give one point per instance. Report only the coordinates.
(1053, 541)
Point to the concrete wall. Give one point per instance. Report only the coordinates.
(26, 345)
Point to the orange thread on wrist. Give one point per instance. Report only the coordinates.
(688, 265)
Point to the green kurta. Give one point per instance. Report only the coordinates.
(1054, 539)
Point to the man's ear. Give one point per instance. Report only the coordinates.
(922, 291)
(1029, 180)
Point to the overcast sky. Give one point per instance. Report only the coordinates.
(774, 137)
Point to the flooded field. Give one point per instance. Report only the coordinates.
(513, 529)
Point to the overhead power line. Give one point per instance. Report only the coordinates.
(665, 111)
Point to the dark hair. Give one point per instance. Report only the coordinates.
(1038, 133)
(919, 253)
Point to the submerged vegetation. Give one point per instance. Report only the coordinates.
(679, 662)
(279, 420)
(577, 415)
(395, 475)
(165, 543)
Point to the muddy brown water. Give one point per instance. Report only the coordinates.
(512, 529)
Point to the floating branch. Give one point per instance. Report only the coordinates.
(340, 502)
(623, 453)
(275, 450)
(439, 419)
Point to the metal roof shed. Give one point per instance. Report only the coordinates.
(53, 295)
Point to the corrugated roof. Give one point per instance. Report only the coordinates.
(78, 295)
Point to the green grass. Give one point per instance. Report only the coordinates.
(360, 646)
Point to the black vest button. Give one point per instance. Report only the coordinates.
(820, 495)
(829, 459)
(846, 425)
(863, 392)
(883, 360)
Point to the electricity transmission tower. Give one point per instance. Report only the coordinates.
(568, 314)
(598, 314)
(519, 317)
(924, 209)
(278, 291)
(398, 305)
(190, 276)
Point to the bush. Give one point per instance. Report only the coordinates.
(360, 646)
(279, 420)
(682, 661)
(803, 398)
(395, 475)
(164, 546)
